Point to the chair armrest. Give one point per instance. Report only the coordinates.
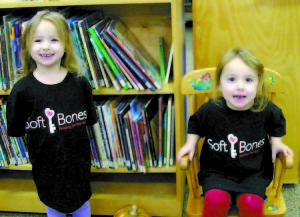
(287, 162)
(185, 162)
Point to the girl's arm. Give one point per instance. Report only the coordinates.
(189, 146)
(279, 146)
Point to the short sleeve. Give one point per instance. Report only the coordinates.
(88, 97)
(276, 122)
(16, 112)
(197, 123)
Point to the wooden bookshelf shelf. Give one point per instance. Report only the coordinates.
(166, 89)
(160, 191)
(164, 169)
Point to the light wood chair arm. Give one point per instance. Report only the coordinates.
(287, 162)
(185, 162)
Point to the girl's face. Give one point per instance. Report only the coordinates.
(47, 49)
(238, 84)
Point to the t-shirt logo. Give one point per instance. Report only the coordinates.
(232, 139)
(50, 113)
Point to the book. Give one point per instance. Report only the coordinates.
(133, 48)
(111, 132)
(170, 65)
(131, 148)
(172, 136)
(78, 44)
(100, 145)
(136, 108)
(103, 131)
(94, 33)
(121, 70)
(94, 151)
(168, 130)
(121, 109)
(150, 121)
(144, 149)
(141, 80)
(113, 105)
(162, 58)
(4, 64)
(161, 112)
(82, 26)
(134, 82)
(109, 79)
(6, 23)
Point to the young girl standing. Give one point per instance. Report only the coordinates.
(53, 105)
(236, 157)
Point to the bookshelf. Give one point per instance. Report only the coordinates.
(160, 191)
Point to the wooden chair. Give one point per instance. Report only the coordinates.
(196, 85)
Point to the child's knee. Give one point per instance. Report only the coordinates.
(218, 199)
(250, 202)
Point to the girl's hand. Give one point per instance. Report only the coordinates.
(279, 146)
(186, 149)
(189, 147)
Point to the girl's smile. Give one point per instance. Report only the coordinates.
(238, 84)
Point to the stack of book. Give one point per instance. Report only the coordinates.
(136, 132)
(112, 55)
(12, 149)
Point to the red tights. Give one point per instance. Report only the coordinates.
(217, 204)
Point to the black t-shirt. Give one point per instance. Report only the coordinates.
(55, 117)
(236, 155)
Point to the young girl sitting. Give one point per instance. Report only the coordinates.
(237, 155)
(53, 104)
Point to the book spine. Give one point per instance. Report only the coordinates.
(172, 139)
(169, 66)
(139, 138)
(12, 159)
(130, 143)
(135, 142)
(149, 136)
(123, 138)
(105, 139)
(108, 124)
(100, 145)
(8, 48)
(81, 52)
(94, 150)
(4, 65)
(162, 58)
(24, 157)
(99, 45)
(86, 47)
(160, 132)
(144, 145)
(169, 129)
(107, 80)
(165, 137)
(16, 149)
(116, 137)
(3, 155)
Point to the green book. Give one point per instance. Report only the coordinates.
(162, 58)
(93, 32)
